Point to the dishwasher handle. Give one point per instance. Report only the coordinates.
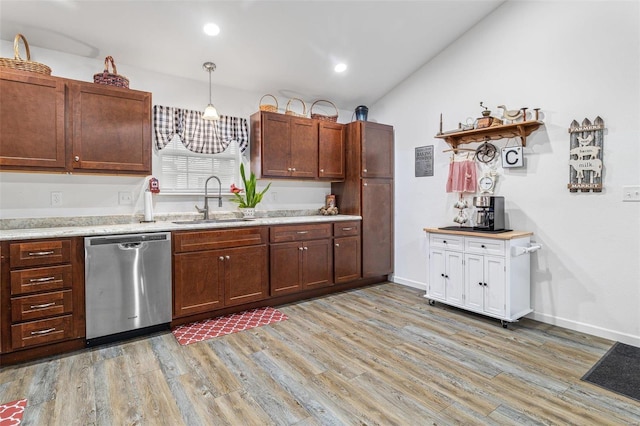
(130, 246)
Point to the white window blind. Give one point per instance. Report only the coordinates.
(185, 172)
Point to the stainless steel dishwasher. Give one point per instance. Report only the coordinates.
(127, 285)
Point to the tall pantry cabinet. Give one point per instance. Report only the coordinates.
(368, 191)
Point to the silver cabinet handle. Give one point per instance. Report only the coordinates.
(294, 169)
(306, 248)
(365, 184)
(41, 280)
(321, 170)
(44, 305)
(300, 248)
(289, 169)
(221, 258)
(227, 257)
(303, 232)
(337, 245)
(47, 331)
(76, 158)
(364, 171)
(41, 253)
(347, 229)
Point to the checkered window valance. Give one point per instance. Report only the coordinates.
(196, 134)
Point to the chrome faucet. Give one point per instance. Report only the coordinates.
(205, 210)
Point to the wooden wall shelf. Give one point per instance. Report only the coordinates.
(515, 130)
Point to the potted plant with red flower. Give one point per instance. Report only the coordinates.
(251, 197)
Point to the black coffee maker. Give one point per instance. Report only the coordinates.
(490, 213)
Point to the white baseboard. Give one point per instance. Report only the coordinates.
(550, 319)
(409, 283)
(586, 328)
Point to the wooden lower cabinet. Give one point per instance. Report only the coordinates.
(347, 255)
(207, 280)
(42, 297)
(300, 265)
(301, 257)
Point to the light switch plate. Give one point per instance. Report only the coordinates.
(631, 193)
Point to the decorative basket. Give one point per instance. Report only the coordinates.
(111, 78)
(268, 107)
(317, 116)
(288, 111)
(23, 65)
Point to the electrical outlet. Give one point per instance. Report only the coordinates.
(125, 198)
(631, 193)
(56, 198)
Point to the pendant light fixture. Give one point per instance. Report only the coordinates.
(210, 112)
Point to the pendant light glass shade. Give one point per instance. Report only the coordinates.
(210, 112)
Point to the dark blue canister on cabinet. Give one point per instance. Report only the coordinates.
(361, 113)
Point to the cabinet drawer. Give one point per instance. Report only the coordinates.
(280, 234)
(185, 241)
(40, 332)
(345, 229)
(450, 242)
(39, 253)
(484, 246)
(40, 279)
(43, 305)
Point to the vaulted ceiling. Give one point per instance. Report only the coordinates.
(288, 48)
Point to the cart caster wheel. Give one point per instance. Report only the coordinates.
(432, 302)
(504, 323)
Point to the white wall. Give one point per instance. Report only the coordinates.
(29, 194)
(573, 60)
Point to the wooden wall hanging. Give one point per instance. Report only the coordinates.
(585, 155)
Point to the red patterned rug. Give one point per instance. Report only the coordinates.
(11, 412)
(203, 330)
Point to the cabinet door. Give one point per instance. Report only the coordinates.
(111, 129)
(275, 142)
(495, 290)
(246, 276)
(346, 259)
(32, 122)
(198, 282)
(474, 282)
(454, 278)
(304, 148)
(286, 268)
(377, 150)
(377, 227)
(317, 263)
(331, 150)
(437, 272)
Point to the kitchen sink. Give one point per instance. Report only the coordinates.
(198, 221)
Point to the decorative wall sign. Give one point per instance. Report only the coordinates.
(512, 157)
(585, 155)
(424, 161)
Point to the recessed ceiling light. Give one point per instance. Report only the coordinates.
(340, 67)
(211, 29)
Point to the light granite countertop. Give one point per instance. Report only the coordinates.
(20, 229)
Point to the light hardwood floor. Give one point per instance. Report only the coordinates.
(376, 355)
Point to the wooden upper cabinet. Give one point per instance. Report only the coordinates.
(304, 148)
(273, 144)
(111, 129)
(32, 122)
(285, 146)
(331, 150)
(377, 150)
(60, 125)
